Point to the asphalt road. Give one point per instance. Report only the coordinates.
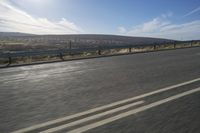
(155, 92)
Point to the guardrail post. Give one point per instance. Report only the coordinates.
(99, 52)
(70, 47)
(174, 44)
(130, 50)
(61, 56)
(9, 60)
(154, 47)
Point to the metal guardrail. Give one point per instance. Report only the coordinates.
(11, 55)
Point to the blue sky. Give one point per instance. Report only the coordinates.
(174, 19)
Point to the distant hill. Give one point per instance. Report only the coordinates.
(9, 34)
(122, 39)
(23, 41)
(73, 37)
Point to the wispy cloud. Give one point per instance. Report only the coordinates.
(167, 15)
(13, 19)
(164, 28)
(192, 12)
(121, 29)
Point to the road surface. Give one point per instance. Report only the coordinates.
(157, 92)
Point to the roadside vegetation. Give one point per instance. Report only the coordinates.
(12, 44)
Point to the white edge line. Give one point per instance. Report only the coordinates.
(131, 112)
(102, 107)
(96, 116)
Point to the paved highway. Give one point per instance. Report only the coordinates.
(157, 92)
